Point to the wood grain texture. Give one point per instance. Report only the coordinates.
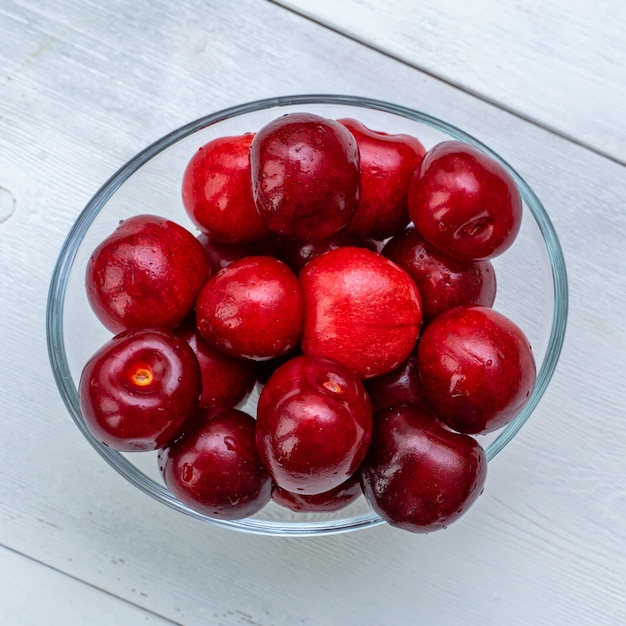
(560, 64)
(83, 87)
(32, 594)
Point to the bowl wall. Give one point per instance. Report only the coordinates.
(532, 284)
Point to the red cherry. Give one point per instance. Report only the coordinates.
(387, 163)
(464, 202)
(266, 368)
(222, 254)
(314, 424)
(327, 502)
(477, 368)
(360, 309)
(147, 273)
(443, 282)
(298, 252)
(226, 381)
(217, 192)
(400, 387)
(251, 309)
(418, 475)
(305, 175)
(138, 390)
(215, 468)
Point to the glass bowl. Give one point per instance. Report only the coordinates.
(532, 282)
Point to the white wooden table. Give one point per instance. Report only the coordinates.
(84, 86)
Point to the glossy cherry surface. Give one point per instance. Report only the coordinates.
(477, 368)
(147, 273)
(138, 391)
(327, 502)
(314, 423)
(443, 281)
(215, 468)
(387, 164)
(226, 380)
(217, 192)
(251, 309)
(360, 309)
(305, 175)
(418, 475)
(464, 202)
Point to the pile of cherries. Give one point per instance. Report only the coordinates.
(347, 273)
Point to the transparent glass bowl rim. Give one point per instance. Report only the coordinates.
(59, 281)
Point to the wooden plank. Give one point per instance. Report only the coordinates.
(561, 64)
(32, 594)
(84, 87)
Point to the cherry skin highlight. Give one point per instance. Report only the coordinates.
(477, 368)
(418, 475)
(314, 423)
(305, 175)
(215, 468)
(464, 202)
(140, 389)
(147, 273)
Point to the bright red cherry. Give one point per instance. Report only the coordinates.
(387, 164)
(464, 202)
(217, 191)
(251, 309)
(443, 282)
(360, 309)
(477, 368)
(147, 273)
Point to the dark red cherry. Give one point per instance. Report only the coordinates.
(305, 175)
(215, 468)
(418, 475)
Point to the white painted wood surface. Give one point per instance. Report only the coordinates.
(561, 64)
(83, 86)
(41, 595)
